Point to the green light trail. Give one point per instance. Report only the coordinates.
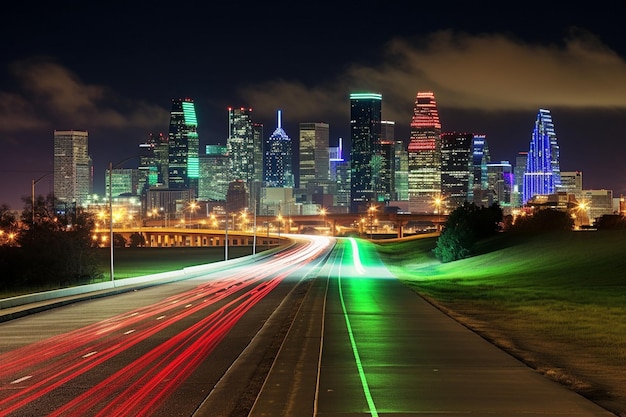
(357, 357)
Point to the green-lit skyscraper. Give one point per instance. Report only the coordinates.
(365, 125)
(184, 146)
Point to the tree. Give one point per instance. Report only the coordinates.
(543, 220)
(57, 248)
(137, 240)
(466, 225)
(8, 225)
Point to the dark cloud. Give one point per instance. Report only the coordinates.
(482, 72)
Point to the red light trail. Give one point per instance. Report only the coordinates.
(32, 372)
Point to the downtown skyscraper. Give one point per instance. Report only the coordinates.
(278, 165)
(456, 168)
(424, 154)
(241, 144)
(543, 173)
(314, 155)
(73, 176)
(365, 158)
(183, 146)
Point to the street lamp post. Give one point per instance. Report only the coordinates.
(111, 244)
(111, 220)
(371, 210)
(226, 238)
(33, 194)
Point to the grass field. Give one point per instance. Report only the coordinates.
(555, 301)
(132, 262)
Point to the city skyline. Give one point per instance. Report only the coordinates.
(490, 76)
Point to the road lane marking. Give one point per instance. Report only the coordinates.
(355, 351)
(22, 379)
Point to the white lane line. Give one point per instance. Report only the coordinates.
(24, 378)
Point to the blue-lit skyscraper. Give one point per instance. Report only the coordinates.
(543, 174)
(278, 170)
(183, 145)
(365, 125)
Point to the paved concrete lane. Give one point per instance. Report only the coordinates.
(385, 351)
(417, 361)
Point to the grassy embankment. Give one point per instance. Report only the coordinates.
(133, 262)
(555, 301)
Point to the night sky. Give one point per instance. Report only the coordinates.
(112, 69)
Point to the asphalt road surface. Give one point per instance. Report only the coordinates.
(312, 331)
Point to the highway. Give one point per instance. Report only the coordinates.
(319, 329)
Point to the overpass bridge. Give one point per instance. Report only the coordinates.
(195, 231)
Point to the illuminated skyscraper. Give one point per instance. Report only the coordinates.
(183, 145)
(365, 125)
(153, 162)
(518, 174)
(424, 154)
(456, 168)
(215, 173)
(240, 144)
(386, 181)
(314, 157)
(500, 179)
(401, 171)
(542, 176)
(478, 192)
(278, 170)
(72, 167)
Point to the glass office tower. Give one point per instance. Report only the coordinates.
(456, 168)
(241, 143)
(72, 167)
(424, 154)
(542, 176)
(365, 125)
(183, 145)
(278, 170)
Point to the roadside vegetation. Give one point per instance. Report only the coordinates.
(556, 300)
(134, 262)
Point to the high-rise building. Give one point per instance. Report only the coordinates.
(257, 153)
(153, 162)
(456, 168)
(183, 145)
(214, 173)
(500, 184)
(386, 181)
(542, 176)
(572, 183)
(278, 168)
(401, 171)
(340, 178)
(314, 157)
(73, 177)
(241, 143)
(518, 183)
(365, 125)
(123, 181)
(478, 187)
(424, 154)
